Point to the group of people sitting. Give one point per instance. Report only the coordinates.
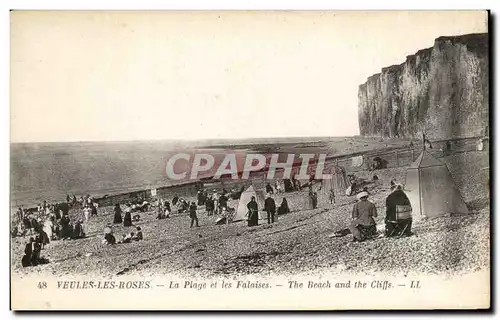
(32, 253)
(163, 209)
(398, 218)
(110, 239)
(278, 187)
(127, 217)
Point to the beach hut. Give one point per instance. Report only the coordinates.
(241, 211)
(431, 189)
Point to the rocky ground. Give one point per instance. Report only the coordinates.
(298, 242)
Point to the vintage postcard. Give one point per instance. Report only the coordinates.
(249, 160)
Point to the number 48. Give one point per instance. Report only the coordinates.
(42, 285)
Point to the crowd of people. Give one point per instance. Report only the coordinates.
(49, 222)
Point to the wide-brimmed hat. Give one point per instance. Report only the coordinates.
(362, 194)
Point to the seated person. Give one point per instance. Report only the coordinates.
(28, 251)
(127, 238)
(138, 236)
(283, 208)
(78, 230)
(109, 238)
(161, 214)
(363, 225)
(398, 218)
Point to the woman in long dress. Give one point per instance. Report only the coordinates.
(253, 213)
(127, 219)
(284, 209)
(118, 214)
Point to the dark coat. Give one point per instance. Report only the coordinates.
(270, 205)
(127, 219)
(192, 211)
(253, 215)
(118, 215)
(396, 198)
(283, 209)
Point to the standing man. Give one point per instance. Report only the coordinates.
(192, 214)
(270, 208)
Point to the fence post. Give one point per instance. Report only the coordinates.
(412, 155)
(397, 159)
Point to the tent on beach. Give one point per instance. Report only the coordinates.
(431, 189)
(241, 211)
(337, 182)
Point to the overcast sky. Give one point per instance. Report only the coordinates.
(80, 76)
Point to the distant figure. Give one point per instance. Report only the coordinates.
(47, 228)
(66, 229)
(277, 186)
(331, 196)
(160, 213)
(427, 142)
(19, 214)
(108, 235)
(44, 238)
(127, 238)
(167, 209)
(375, 178)
(28, 252)
(174, 200)
(447, 148)
(86, 213)
(269, 189)
(270, 208)
(35, 256)
(398, 218)
(363, 225)
(393, 184)
(312, 200)
(253, 212)
(200, 198)
(138, 236)
(283, 208)
(209, 206)
(192, 214)
(93, 209)
(315, 200)
(222, 203)
(127, 219)
(118, 214)
(78, 231)
(183, 206)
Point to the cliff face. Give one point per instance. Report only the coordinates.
(441, 90)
